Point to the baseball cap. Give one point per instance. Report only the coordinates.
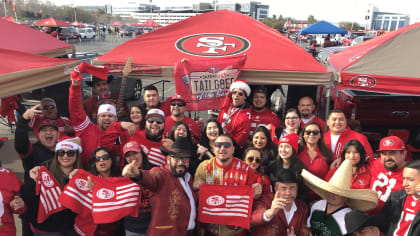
(177, 97)
(155, 112)
(391, 143)
(47, 122)
(131, 146)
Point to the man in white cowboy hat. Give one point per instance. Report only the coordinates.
(359, 223)
(174, 201)
(233, 117)
(387, 171)
(327, 216)
(402, 208)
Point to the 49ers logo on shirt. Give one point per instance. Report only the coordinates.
(105, 193)
(212, 44)
(47, 180)
(363, 81)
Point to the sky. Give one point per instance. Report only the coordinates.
(330, 10)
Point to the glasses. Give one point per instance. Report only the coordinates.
(314, 132)
(239, 93)
(252, 158)
(292, 118)
(180, 104)
(157, 120)
(180, 159)
(103, 157)
(224, 144)
(48, 107)
(70, 153)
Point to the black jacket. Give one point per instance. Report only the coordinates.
(392, 210)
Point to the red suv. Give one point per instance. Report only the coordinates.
(68, 33)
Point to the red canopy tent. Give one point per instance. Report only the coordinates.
(135, 24)
(25, 39)
(388, 63)
(51, 22)
(77, 24)
(272, 58)
(8, 18)
(20, 71)
(117, 23)
(150, 23)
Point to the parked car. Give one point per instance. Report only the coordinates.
(351, 36)
(324, 53)
(127, 31)
(361, 39)
(68, 33)
(86, 33)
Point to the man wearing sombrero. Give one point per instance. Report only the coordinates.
(327, 215)
(173, 201)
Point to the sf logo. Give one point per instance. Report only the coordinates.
(213, 44)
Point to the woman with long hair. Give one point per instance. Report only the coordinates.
(355, 152)
(137, 114)
(313, 152)
(253, 157)
(291, 125)
(66, 159)
(180, 129)
(261, 139)
(211, 130)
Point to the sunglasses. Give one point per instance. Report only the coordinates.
(314, 132)
(251, 159)
(224, 144)
(70, 153)
(157, 120)
(49, 107)
(180, 104)
(103, 157)
(239, 93)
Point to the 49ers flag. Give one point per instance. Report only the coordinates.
(205, 83)
(223, 205)
(48, 189)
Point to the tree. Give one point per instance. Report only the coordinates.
(311, 19)
(349, 25)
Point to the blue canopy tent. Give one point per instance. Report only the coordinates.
(322, 27)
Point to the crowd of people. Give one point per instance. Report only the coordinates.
(304, 181)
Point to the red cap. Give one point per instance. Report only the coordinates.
(391, 143)
(292, 139)
(177, 97)
(131, 146)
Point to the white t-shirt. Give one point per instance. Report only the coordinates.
(334, 140)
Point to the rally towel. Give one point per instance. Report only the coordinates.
(114, 198)
(220, 204)
(48, 189)
(77, 197)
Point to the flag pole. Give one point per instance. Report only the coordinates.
(5, 8)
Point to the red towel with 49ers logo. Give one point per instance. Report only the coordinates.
(114, 198)
(224, 205)
(48, 189)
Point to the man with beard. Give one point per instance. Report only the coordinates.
(387, 171)
(283, 213)
(403, 206)
(89, 133)
(49, 111)
(233, 118)
(173, 201)
(259, 113)
(224, 169)
(34, 154)
(178, 107)
(151, 138)
(306, 108)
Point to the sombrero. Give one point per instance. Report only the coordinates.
(340, 184)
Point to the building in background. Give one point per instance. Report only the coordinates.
(386, 21)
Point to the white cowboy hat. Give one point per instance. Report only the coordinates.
(340, 184)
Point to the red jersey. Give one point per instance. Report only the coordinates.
(150, 147)
(410, 209)
(193, 127)
(61, 123)
(384, 182)
(236, 124)
(317, 166)
(314, 119)
(10, 186)
(346, 136)
(265, 118)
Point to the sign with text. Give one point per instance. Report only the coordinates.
(205, 83)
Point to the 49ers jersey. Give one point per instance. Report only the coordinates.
(384, 182)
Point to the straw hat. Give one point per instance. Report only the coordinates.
(340, 184)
